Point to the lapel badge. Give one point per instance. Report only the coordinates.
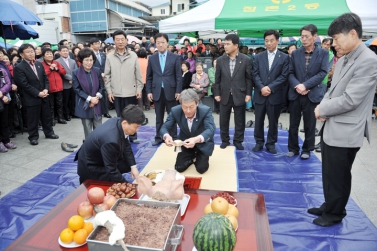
(196, 120)
(279, 56)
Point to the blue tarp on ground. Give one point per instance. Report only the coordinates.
(290, 186)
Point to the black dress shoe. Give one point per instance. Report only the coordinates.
(224, 145)
(62, 121)
(34, 142)
(135, 141)
(52, 136)
(72, 145)
(16, 131)
(156, 142)
(68, 118)
(249, 123)
(317, 146)
(316, 132)
(325, 223)
(271, 150)
(66, 148)
(257, 147)
(305, 155)
(318, 150)
(12, 135)
(239, 146)
(315, 211)
(145, 122)
(107, 116)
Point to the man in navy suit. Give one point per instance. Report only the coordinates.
(308, 67)
(197, 128)
(270, 71)
(164, 82)
(100, 63)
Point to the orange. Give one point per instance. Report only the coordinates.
(88, 226)
(208, 209)
(233, 220)
(220, 205)
(232, 210)
(76, 222)
(66, 236)
(80, 236)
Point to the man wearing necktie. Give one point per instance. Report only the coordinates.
(164, 83)
(270, 71)
(95, 45)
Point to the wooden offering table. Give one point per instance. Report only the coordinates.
(253, 231)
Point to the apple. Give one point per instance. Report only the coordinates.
(109, 200)
(85, 210)
(96, 195)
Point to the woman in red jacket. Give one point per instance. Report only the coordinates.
(54, 71)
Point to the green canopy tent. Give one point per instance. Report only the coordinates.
(251, 18)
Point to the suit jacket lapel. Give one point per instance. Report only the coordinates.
(62, 62)
(314, 57)
(195, 122)
(237, 65)
(28, 67)
(301, 55)
(226, 65)
(276, 59)
(184, 124)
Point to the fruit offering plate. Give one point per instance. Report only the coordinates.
(73, 244)
(184, 202)
(235, 201)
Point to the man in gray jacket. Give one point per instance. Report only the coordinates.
(123, 78)
(68, 93)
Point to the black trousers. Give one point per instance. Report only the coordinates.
(285, 104)
(186, 158)
(56, 104)
(144, 101)
(239, 121)
(336, 178)
(304, 105)
(4, 128)
(273, 114)
(11, 112)
(120, 103)
(68, 102)
(34, 114)
(159, 108)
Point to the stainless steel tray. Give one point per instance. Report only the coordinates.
(172, 241)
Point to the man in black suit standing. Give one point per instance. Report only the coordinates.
(31, 77)
(100, 63)
(270, 71)
(164, 82)
(233, 84)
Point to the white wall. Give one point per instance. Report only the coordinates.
(157, 11)
(47, 32)
(175, 5)
(62, 9)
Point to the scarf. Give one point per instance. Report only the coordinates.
(83, 80)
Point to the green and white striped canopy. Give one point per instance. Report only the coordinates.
(251, 18)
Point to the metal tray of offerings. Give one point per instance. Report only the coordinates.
(171, 239)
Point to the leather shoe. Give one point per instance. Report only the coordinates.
(325, 223)
(156, 142)
(62, 121)
(135, 141)
(107, 116)
(291, 154)
(224, 145)
(66, 148)
(315, 211)
(34, 142)
(317, 146)
(239, 146)
(145, 122)
(316, 132)
(68, 118)
(318, 150)
(305, 155)
(72, 145)
(257, 148)
(271, 150)
(52, 136)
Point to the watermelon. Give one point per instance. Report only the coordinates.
(214, 232)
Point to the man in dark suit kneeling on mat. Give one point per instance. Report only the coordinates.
(197, 128)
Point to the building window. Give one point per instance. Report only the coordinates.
(180, 7)
(162, 11)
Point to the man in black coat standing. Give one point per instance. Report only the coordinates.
(270, 71)
(233, 84)
(107, 152)
(31, 77)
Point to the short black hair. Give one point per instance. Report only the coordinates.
(63, 47)
(46, 43)
(3, 50)
(142, 53)
(74, 48)
(132, 114)
(11, 50)
(234, 38)
(289, 46)
(110, 47)
(85, 53)
(186, 39)
(161, 35)
(186, 63)
(345, 23)
(325, 40)
(12, 57)
(45, 50)
(24, 47)
(310, 27)
(80, 43)
(190, 52)
(119, 32)
(93, 40)
(271, 32)
(61, 42)
(200, 39)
